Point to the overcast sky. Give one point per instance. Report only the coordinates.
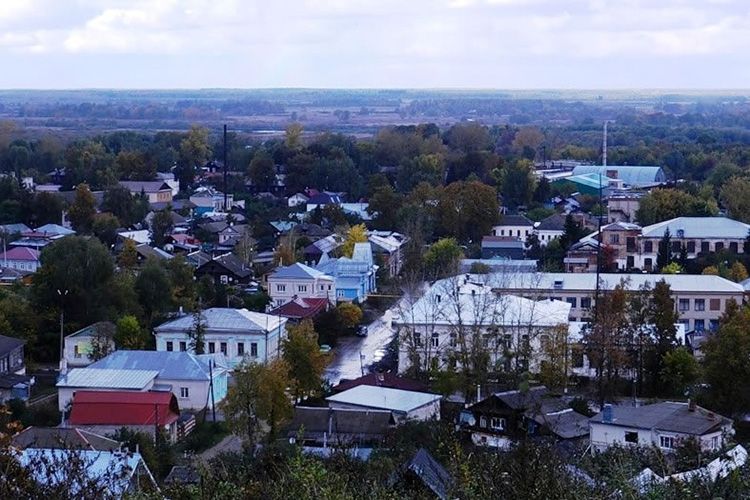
(375, 43)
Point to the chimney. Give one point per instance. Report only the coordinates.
(691, 404)
(608, 414)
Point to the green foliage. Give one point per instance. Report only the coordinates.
(262, 171)
(129, 334)
(467, 210)
(105, 228)
(672, 268)
(680, 371)
(161, 226)
(81, 212)
(479, 268)
(442, 258)
(153, 286)
(664, 204)
(735, 196)
(350, 315)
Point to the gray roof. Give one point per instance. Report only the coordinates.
(62, 438)
(699, 227)
(101, 378)
(343, 424)
(137, 187)
(102, 328)
(522, 400)
(8, 344)
(431, 473)
(565, 424)
(297, 271)
(555, 222)
(14, 228)
(634, 175)
(587, 282)
(667, 416)
(501, 242)
(386, 398)
(515, 220)
(225, 319)
(171, 365)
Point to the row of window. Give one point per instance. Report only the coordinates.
(223, 348)
(504, 342)
(666, 442)
(699, 305)
(302, 288)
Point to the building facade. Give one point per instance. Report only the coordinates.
(300, 281)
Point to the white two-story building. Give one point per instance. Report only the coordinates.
(240, 335)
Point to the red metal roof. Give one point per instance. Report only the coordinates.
(123, 408)
(20, 253)
(301, 308)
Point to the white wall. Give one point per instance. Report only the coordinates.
(65, 394)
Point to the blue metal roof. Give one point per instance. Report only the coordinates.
(297, 271)
(171, 365)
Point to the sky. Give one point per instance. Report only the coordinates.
(483, 44)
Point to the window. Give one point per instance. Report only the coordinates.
(647, 263)
(705, 246)
(713, 325)
(667, 442)
(183, 346)
(223, 348)
(715, 304)
(585, 302)
(544, 342)
(339, 293)
(691, 247)
(715, 443)
(676, 246)
(211, 347)
(497, 423)
(700, 325)
(301, 288)
(483, 422)
(631, 437)
(648, 246)
(254, 349)
(507, 341)
(453, 339)
(435, 340)
(184, 392)
(700, 304)
(224, 279)
(734, 247)
(322, 287)
(487, 340)
(76, 351)
(281, 288)
(719, 246)
(417, 339)
(576, 357)
(572, 301)
(240, 348)
(684, 304)
(170, 345)
(614, 239)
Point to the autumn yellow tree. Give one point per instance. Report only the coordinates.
(306, 363)
(129, 255)
(356, 234)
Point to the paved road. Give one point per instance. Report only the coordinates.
(353, 355)
(230, 443)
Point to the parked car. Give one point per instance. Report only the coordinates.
(325, 348)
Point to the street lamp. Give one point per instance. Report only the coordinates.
(62, 294)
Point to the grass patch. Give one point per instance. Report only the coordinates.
(204, 436)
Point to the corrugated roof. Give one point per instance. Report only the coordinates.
(55, 229)
(226, 319)
(101, 378)
(667, 416)
(698, 227)
(384, 398)
(20, 253)
(102, 328)
(62, 438)
(170, 365)
(555, 222)
(515, 220)
(8, 344)
(123, 408)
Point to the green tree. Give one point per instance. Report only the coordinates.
(726, 362)
(735, 196)
(680, 371)
(258, 396)
(194, 152)
(161, 226)
(262, 171)
(429, 168)
(129, 334)
(306, 363)
(664, 204)
(662, 316)
(384, 204)
(467, 210)
(738, 272)
(672, 268)
(105, 228)
(135, 165)
(152, 286)
(442, 258)
(47, 209)
(664, 253)
(128, 258)
(118, 201)
(517, 183)
(293, 135)
(197, 333)
(82, 210)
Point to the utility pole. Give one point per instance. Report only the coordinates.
(211, 388)
(62, 294)
(225, 167)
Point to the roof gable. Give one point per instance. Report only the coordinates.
(170, 365)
